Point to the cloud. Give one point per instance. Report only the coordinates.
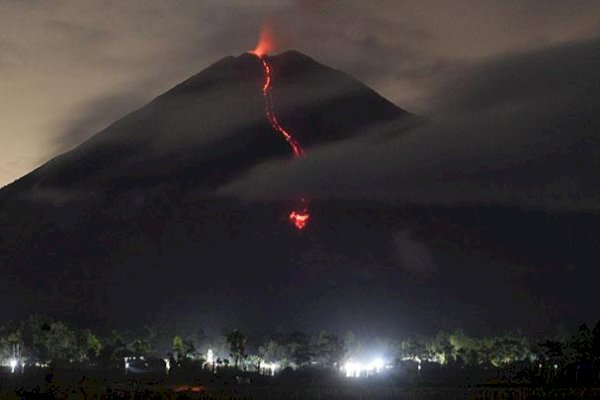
(9, 55)
(96, 115)
(74, 33)
(73, 53)
(414, 257)
(516, 130)
(545, 75)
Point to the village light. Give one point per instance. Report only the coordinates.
(13, 364)
(377, 364)
(270, 368)
(352, 369)
(355, 369)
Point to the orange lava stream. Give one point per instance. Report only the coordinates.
(299, 216)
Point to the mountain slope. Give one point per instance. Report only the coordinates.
(103, 224)
(216, 118)
(125, 227)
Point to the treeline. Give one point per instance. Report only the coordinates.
(41, 340)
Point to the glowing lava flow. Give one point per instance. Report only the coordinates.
(299, 216)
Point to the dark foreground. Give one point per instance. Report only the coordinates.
(73, 385)
(136, 391)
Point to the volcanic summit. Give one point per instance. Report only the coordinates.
(132, 205)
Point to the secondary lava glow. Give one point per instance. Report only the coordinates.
(299, 216)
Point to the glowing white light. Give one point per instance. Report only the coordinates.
(167, 364)
(13, 364)
(376, 365)
(126, 365)
(355, 369)
(210, 356)
(352, 369)
(269, 368)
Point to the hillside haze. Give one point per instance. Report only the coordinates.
(128, 229)
(124, 227)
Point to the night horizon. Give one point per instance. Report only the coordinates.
(235, 172)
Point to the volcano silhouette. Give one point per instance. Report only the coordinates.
(123, 226)
(211, 126)
(126, 228)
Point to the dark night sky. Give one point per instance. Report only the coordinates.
(485, 214)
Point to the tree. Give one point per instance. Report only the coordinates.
(255, 361)
(11, 343)
(582, 344)
(237, 342)
(596, 349)
(550, 352)
(114, 350)
(580, 352)
(440, 348)
(178, 348)
(596, 342)
(272, 351)
(352, 344)
(298, 345)
(467, 349)
(331, 348)
(507, 349)
(52, 341)
(189, 348)
(93, 347)
(140, 347)
(183, 348)
(550, 355)
(413, 348)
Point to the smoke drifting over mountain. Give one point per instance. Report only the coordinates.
(519, 130)
(485, 203)
(85, 52)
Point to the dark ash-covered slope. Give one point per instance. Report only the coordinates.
(110, 226)
(126, 226)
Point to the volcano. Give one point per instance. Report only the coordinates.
(127, 228)
(212, 126)
(125, 222)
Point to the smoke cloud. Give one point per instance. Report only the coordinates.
(515, 130)
(73, 55)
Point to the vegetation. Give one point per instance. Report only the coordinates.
(566, 360)
(237, 343)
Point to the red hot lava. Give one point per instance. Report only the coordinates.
(299, 216)
(296, 148)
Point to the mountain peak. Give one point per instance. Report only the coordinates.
(220, 113)
(294, 55)
(145, 181)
